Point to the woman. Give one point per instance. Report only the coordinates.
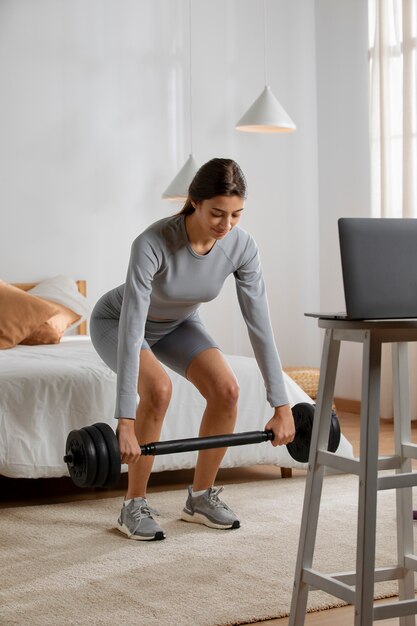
(175, 265)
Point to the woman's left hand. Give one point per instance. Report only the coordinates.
(282, 425)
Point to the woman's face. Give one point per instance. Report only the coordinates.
(217, 216)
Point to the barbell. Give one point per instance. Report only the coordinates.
(92, 453)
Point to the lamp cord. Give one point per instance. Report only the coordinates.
(190, 79)
(265, 43)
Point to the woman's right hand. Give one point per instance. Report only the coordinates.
(128, 443)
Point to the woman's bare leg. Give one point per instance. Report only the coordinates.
(215, 380)
(155, 393)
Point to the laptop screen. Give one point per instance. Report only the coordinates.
(379, 267)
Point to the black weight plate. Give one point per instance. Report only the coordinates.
(299, 448)
(303, 414)
(103, 462)
(83, 468)
(113, 451)
(334, 434)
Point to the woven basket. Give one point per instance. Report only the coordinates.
(307, 378)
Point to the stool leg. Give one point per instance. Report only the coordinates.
(314, 480)
(404, 498)
(368, 481)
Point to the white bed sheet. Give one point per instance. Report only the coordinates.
(47, 391)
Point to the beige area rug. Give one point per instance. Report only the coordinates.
(66, 564)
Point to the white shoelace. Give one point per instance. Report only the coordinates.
(140, 513)
(214, 498)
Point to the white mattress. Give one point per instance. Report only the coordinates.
(46, 391)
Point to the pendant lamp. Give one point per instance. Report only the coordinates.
(177, 190)
(266, 115)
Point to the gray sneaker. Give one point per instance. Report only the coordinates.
(136, 521)
(209, 510)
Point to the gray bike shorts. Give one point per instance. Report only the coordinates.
(174, 343)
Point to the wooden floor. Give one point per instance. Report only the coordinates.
(20, 492)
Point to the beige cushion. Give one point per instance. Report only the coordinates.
(52, 330)
(21, 314)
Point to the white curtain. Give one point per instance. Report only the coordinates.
(393, 134)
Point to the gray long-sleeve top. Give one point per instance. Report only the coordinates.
(167, 279)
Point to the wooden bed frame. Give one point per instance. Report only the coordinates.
(81, 329)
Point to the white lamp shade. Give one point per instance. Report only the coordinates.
(266, 115)
(178, 188)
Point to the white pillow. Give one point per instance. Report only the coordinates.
(63, 290)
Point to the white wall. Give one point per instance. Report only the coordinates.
(344, 178)
(94, 124)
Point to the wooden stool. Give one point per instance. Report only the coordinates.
(357, 587)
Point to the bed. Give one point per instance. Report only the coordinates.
(48, 390)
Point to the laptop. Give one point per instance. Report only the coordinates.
(379, 268)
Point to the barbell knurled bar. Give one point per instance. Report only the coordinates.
(204, 443)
